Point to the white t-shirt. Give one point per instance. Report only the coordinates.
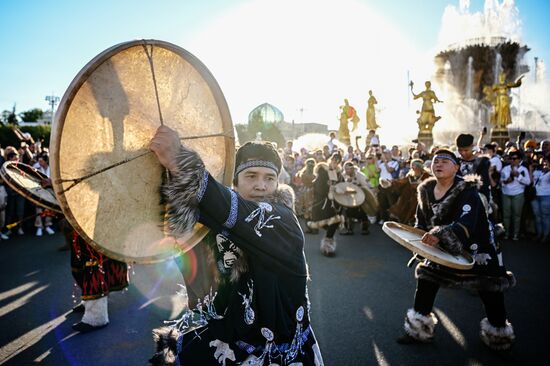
(384, 173)
(517, 186)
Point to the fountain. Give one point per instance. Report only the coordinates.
(469, 76)
(468, 71)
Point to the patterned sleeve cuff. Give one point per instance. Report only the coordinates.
(184, 190)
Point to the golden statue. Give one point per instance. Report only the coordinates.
(343, 131)
(427, 118)
(350, 113)
(502, 105)
(371, 118)
(491, 99)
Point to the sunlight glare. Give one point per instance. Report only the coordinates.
(311, 54)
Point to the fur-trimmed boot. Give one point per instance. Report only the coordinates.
(166, 340)
(497, 338)
(418, 328)
(328, 246)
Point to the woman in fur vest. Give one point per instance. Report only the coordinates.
(326, 211)
(452, 213)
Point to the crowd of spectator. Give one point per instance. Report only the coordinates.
(518, 177)
(16, 213)
(517, 173)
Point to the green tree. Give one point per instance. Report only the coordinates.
(32, 115)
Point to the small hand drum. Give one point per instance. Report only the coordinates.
(27, 181)
(348, 194)
(411, 238)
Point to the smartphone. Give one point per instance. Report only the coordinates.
(484, 130)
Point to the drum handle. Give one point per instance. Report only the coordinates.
(413, 258)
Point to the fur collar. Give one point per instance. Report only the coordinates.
(443, 209)
(283, 195)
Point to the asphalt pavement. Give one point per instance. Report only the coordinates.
(359, 299)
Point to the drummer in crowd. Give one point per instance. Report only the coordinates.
(353, 175)
(450, 209)
(96, 275)
(326, 211)
(260, 313)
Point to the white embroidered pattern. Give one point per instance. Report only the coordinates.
(249, 314)
(263, 207)
(482, 258)
(222, 352)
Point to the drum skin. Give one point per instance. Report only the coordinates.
(348, 194)
(410, 238)
(105, 122)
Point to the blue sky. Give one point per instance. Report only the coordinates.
(45, 44)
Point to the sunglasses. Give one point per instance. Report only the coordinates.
(515, 158)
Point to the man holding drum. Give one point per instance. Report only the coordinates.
(260, 313)
(353, 175)
(451, 210)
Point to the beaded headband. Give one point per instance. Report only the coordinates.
(256, 163)
(446, 156)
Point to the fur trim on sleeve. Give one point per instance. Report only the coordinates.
(182, 189)
(447, 239)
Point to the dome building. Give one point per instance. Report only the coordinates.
(268, 113)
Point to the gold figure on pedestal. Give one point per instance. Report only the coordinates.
(343, 131)
(491, 99)
(350, 113)
(371, 117)
(427, 118)
(502, 100)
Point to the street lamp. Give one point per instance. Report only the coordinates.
(52, 101)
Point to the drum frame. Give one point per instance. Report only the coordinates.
(425, 254)
(13, 185)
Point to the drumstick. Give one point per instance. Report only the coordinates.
(46, 212)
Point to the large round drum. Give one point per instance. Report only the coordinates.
(348, 194)
(27, 181)
(105, 178)
(411, 238)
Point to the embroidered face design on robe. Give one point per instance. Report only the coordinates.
(228, 252)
